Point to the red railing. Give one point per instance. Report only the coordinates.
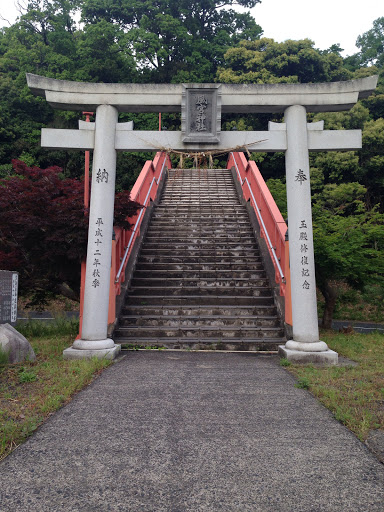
(271, 222)
(144, 190)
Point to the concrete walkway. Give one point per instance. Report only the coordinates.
(182, 431)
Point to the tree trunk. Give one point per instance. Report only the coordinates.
(330, 295)
(66, 291)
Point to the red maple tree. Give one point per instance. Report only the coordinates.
(44, 229)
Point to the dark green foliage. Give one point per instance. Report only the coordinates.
(176, 40)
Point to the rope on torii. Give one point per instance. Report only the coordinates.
(201, 156)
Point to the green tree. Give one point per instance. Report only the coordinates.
(371, 44)
(266, 61)
(348, 237)
(47, 41)
(177, 40)
(349, 242)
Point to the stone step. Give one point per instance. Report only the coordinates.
(196, 186)
(180, 204)
(201, 217)
(219, 234)
(243, 345)
(148, 299)
(200, 252)
(201, 187)
(214, 290)
(199, 282)
(185, 173)
(176, 226)
(194, 242)
(208, 219)
(200, 231)
(135, 332)
(174, 223)
(225, 199)
(212, 246)
(222, 181)
(200, 220)
(166, 274)
(206, 259)
(196, 238)
(193, 236)
(196, 180)
(182, 266)
(205, 208)
(188, 204)
(202, 192)
(198, 321)
(232, 311)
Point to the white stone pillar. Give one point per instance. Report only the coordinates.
(94, 341)
(301, 257)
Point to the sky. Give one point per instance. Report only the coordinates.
(326, 22)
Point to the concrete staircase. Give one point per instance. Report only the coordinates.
(199, 281)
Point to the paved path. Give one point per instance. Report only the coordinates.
(175, 432)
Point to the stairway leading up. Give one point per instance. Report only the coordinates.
(199, 281)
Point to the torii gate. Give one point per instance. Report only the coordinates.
(201, 106)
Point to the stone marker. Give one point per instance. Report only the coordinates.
(8, 296)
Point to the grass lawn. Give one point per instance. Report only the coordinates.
(31, 391)
(354, 394)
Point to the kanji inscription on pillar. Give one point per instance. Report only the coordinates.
(97, 241)
(305, 273)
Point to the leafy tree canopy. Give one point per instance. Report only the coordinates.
(177, 40)
(349, 241)
(266, 61)
(371, 44)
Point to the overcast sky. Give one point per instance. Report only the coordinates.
(326, 22)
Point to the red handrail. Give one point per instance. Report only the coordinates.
(144, 190)
(272, 224)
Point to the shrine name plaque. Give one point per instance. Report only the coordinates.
(8, 296)
(201, 113)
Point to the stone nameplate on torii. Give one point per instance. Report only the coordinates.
(201, 113)
(199, 104)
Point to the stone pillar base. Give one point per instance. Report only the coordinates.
(104, 353)
(299, 356)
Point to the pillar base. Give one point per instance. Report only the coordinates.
(299, 356)
(81, 344)
(104, 353)
(307, 346)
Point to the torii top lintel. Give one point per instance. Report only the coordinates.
(243, 98)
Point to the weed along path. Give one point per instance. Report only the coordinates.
(182, 431)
